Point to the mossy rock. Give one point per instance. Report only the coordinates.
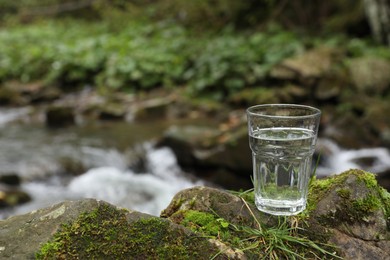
(110, 233)
(352, 203)
(199, 148)
(349, 211)
(370, 75)
(309, 65)
(152, 109)
(91, 229)
(234, 223)
(21, 236)
(214, 201)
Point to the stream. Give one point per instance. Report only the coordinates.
(106, 156)
(117, 162)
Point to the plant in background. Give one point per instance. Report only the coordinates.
(142, 55)
(228, 63)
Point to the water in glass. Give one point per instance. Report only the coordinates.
(281, 165)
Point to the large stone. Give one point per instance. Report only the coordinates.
(332, 84)
(365, 115)
(202, 148)
(90, 229)
(355, 213)
(156, 108)
(11, 179)
(22, 236)
(222, 203)
(370, 75)
(306, 67)
(377, 119)
(234, 152)
(60, 116)
(11, 96)
(113, 111)
(354, 207)
(18, 93)
(12, 196)
(184, 141)
(354, 248)
(340, 127)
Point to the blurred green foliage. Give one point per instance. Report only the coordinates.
(141, 56)
(226, 64)
(139, 45)
(71, 52)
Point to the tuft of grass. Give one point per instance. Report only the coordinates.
(283, 241)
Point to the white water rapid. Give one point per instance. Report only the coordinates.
(148, 192)
(338, 160)
(36, 155)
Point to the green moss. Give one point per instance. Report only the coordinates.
(385, 197)
(367, 178)
(106, 234)
(317, 190)
(365, 205)
(174, 206)
(210, 225)
(205, 222)
(349, 209)
(320, 187)
(344, 193)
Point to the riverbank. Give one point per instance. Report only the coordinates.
(102, 72)
(150, 154)
(89, 81)
(107, 73)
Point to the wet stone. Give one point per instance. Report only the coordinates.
(113, 111)
(10, 179)
(310, 65)
(10, 196)
(60, 116)
(370, 75)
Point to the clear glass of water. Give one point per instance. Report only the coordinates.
(282, 138)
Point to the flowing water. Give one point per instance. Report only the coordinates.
(104, 159)
(337, 160)
(116, 162)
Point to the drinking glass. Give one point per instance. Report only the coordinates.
(282, 138)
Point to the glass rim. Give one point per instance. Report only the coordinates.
(315, 111)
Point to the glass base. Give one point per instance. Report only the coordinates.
(280, 208)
